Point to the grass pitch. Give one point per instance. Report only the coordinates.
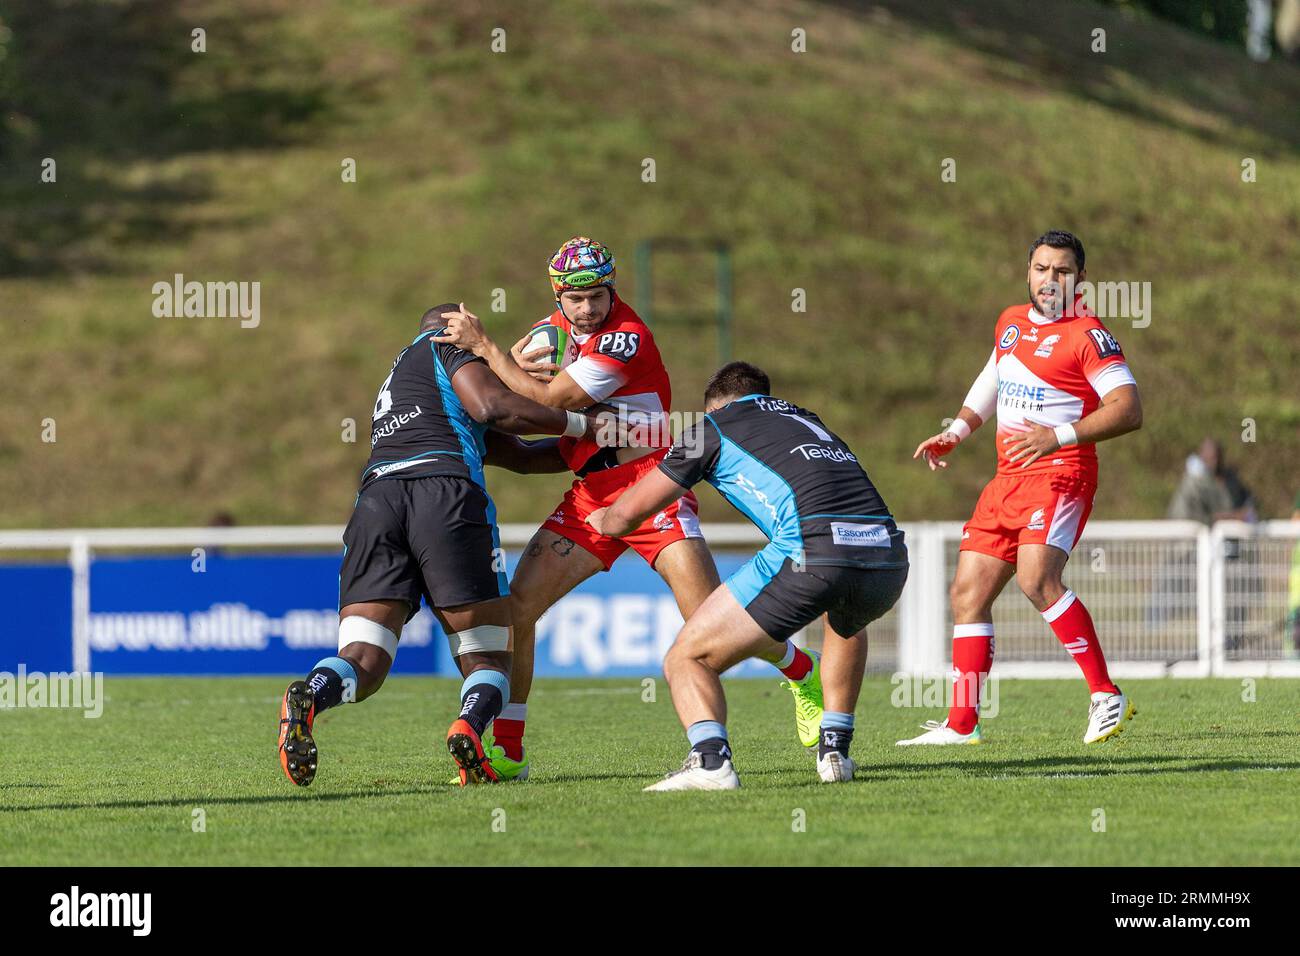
(1201, 777)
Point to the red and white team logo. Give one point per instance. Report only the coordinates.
(1045, 350)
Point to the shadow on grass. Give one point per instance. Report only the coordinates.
(1031, 768)
(209, 801)
(1067, 766)
(1222, 734)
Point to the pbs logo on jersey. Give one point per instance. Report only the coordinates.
(562, 350)
(619, 345)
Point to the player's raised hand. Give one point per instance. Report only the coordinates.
(1029, 446)
(464, 330)
(532, 360)
(934, 448)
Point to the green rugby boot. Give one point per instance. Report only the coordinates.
(808, 702)
(504, 768)
(507, 769)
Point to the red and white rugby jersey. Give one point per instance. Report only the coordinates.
(619, 364)
(1049, 372)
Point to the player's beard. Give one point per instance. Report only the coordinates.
(1038, 306)
(587, 326)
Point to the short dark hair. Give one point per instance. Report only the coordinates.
(736, 379)
(432, 319)
(1060, 239)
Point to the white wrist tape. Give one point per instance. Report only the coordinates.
(959, 429)
(1065, 435)
(577, 426)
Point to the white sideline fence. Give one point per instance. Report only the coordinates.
(1169, 598)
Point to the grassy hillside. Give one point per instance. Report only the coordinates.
(822, 169)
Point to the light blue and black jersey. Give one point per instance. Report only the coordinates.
(781, 467)
(419, 427)
(431, 536)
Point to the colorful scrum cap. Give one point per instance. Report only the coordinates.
(581, 263)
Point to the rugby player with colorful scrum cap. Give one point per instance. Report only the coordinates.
(610, 357)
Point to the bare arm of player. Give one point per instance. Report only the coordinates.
(522, 456)
(1119, 413)
(654, 492)
(980, 403)
(489, 402)
(465, 330)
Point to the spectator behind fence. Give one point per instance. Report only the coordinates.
(1210, 490)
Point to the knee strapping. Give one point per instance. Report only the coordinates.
(481, 639)
(360, 630)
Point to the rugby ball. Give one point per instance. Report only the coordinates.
(553, 338)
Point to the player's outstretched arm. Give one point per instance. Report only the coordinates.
(522, 456)
(489, 402)
(466, 331)
(981, 402)
(654, 492)
(935, 447)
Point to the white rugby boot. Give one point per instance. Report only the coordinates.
(835, 767)
(693, 776)
(1107, 715)
(941, 734)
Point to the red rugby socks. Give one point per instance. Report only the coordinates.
(972, 657)
(508, 730)
(1072, 625)
(796, 664)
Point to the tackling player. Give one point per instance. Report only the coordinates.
(1059, 383)
(425, 526)
(617, 362)
(833, 549)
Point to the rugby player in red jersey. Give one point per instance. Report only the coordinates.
(614, 360)
(1059, 383)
